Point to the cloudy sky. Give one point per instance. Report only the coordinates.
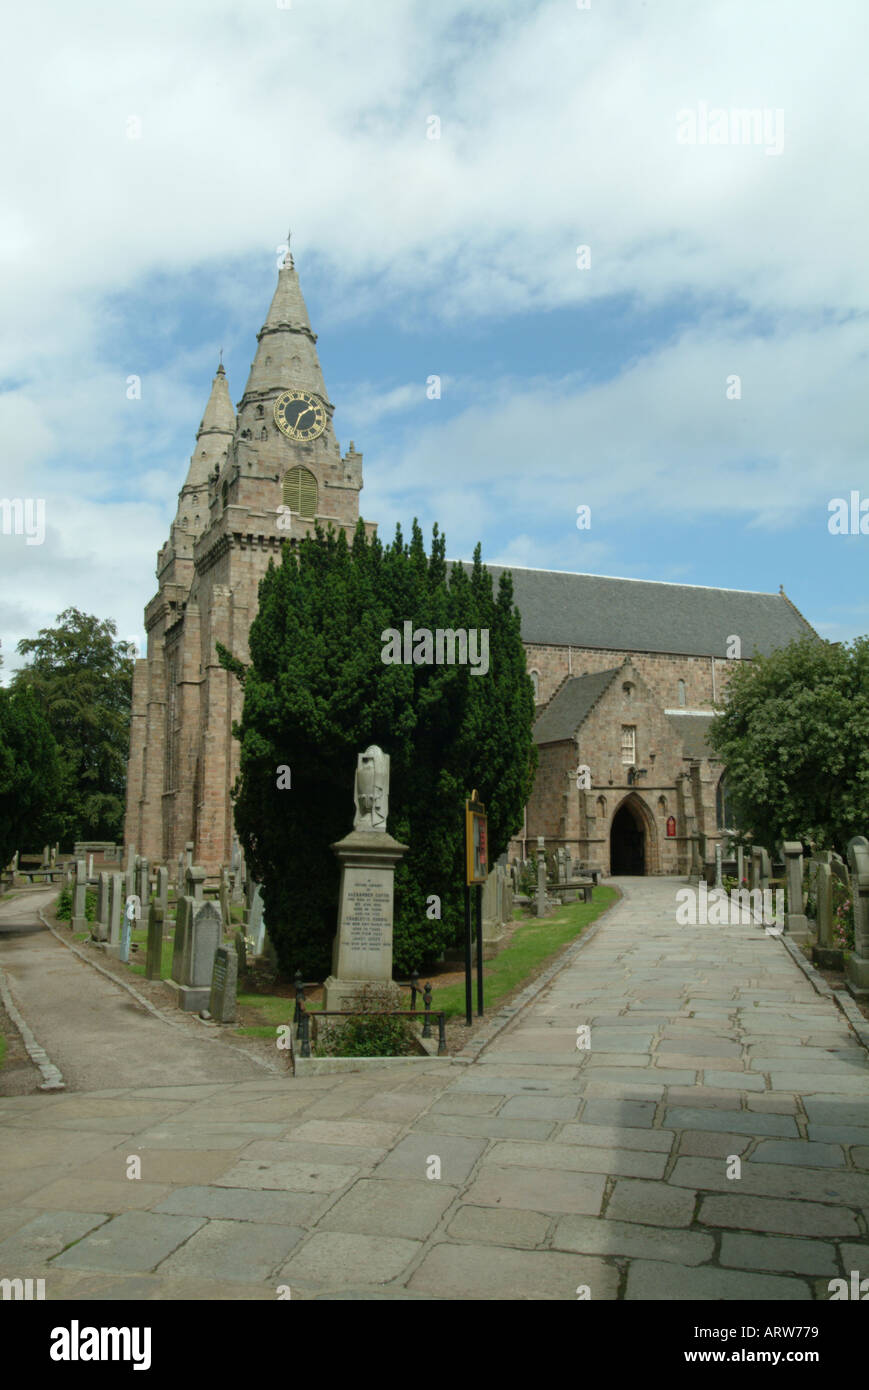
(697, 376)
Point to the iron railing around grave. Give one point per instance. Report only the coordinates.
(302, 1018)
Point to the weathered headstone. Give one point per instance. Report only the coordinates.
(241, 953)
(188, 850)
(858, 961)
(143, 887)
(493, 904)
(101, 920)
(116, 907)
(541, 876)
(194, 877)
(797, 922)
(200, 938)
(825, 953)
(256, 927)
(362, 950)
(154, 959)
(163, 889)
(90, 866)
(179, 879)
(79, 896)
(183, 910)
(224, 985)
(718, 879)
(225, 892)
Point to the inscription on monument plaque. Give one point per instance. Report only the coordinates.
(368, 916)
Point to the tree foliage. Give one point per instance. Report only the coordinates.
(30, 776)
(793, 735)
(81, 678)
(317, 693)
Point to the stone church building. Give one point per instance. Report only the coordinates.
(625, 671)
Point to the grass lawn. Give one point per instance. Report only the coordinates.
(531, 946)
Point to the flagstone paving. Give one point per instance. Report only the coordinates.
(711, 1142)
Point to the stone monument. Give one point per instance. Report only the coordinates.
(154, 958)
(797, 921)
(198, 930)
(857, 968)
(224, 985)
(362, 951)
(79, 898)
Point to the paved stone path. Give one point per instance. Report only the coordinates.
(91, 1028)
(560, 1168)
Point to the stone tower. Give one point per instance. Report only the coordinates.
(255, 480)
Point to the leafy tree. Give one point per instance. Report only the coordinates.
(793, 734)
(30, 775)
(81, 677)
(317, 693)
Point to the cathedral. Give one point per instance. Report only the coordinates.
(625, 671)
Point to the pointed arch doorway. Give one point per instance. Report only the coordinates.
(628, 841)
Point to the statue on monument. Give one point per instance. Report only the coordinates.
(371, 793)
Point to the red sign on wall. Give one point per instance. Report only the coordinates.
(671, 826)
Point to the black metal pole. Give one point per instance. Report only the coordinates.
(469, 1000)
(480, 950)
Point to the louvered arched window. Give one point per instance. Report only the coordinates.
(300, 492)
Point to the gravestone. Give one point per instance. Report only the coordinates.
(200, 938)
(79, 898)
(241, 953)
(225, 896)
(540, 901)
(256, 926)
(183, 910)
(740, 865)
(797, 922)
(188, 850)
(101, 920)
(179, 879)
(46, 856)
(90, 866)
(116, 907)
(154, 959)
(143, 887)
(224, 985)
(493, 904)
(825, 953)
(163, 890)
(858, 962)
(362, 949)
(718, 880)
(194, 877)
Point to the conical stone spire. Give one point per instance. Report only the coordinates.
(286, 355)
(219, 417)
(213, 438)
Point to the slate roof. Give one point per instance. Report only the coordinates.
(638, 615)
(570, 705)
(692, 729)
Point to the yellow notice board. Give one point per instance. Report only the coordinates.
(476, 841)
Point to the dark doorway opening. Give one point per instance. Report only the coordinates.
(627, 843)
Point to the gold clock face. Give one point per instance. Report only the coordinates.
(300, 416)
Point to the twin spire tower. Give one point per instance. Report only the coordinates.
(278, 451)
